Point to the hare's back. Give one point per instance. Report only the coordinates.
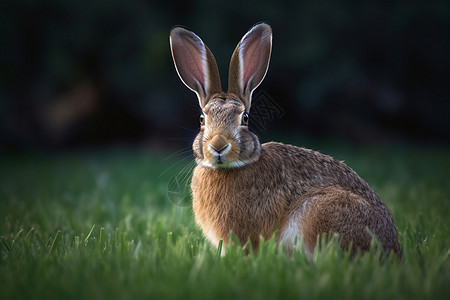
(311, 169)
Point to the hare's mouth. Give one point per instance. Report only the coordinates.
(215, 160)
(220, 164)
(219, 156)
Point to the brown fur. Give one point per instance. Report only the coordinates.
(253, 190)
(335, 198)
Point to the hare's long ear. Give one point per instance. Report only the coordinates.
(195, 64)
(250, 62)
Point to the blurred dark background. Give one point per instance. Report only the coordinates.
(95, 73)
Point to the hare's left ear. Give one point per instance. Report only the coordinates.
(250, 62)
(195, 64)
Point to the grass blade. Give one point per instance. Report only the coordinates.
(55, 242)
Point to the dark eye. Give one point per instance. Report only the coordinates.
(202, 119)
(244, 120)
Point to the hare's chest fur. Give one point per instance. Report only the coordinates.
(232, 200)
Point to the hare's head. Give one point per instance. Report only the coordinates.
(224, 140)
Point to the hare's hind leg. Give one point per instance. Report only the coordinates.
(290, 234)
(333, 210)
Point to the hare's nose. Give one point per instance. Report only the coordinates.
(222, 150)
(219, 145)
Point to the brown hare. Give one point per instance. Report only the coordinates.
(253, 190)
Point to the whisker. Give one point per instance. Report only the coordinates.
(178, 153)
(188, 173)
(189, 129)
(179, 185)
(174, 165)
(186, 168)
(184, 139)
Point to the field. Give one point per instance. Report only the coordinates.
(110, 225)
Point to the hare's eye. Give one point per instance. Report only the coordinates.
(202, 119)
(244, 120)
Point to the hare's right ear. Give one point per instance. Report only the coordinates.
(195, 64)
(250, 62)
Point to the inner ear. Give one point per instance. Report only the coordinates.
(250, 62)
(195, 64)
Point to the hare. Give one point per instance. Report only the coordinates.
(253, 190)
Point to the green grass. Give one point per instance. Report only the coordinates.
(99, 225)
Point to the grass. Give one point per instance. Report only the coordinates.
(99, 225)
